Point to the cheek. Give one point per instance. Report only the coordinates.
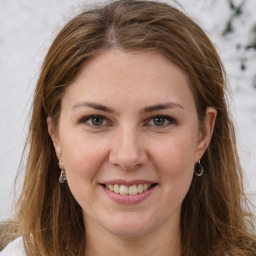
(175, 158)
(82, 156)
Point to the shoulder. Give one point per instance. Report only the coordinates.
(15, 248)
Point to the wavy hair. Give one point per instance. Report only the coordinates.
(214, 217)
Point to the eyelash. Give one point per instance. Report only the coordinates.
(167, 121)
(88, 118)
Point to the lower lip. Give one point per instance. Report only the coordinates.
(129, 199)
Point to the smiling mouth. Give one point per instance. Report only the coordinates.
(128, 190)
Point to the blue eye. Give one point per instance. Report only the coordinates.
(161, 121)
(95, 120)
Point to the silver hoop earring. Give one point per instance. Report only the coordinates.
(62, 177)
(199, 170)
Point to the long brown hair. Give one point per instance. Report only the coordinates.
(214, 220)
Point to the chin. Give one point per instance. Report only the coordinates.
(129, 228)
(128, 232)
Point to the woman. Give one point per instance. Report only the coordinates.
(132, 149)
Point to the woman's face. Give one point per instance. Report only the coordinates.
(128, 123)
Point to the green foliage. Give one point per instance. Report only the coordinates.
(237, 10)
(236, 13)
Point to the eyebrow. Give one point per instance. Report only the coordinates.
(168, 105)
(94, 106)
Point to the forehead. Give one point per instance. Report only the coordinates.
(147, 75)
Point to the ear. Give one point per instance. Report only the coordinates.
(205, 132)
(52, 130)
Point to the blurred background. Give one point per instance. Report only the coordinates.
(27, 28)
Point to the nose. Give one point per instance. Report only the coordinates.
(127, 150)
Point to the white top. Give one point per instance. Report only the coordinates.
(15, 248)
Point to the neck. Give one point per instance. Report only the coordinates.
(158, 242)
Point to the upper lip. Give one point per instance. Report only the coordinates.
(128, 183)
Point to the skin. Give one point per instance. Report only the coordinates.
(128, 143)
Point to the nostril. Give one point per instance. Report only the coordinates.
(127, 154)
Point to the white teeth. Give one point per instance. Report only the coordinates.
(117, 189)
(140, 188)
(124, 190)
(133, 190)
(128, 190)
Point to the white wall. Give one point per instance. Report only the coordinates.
(27, 28)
